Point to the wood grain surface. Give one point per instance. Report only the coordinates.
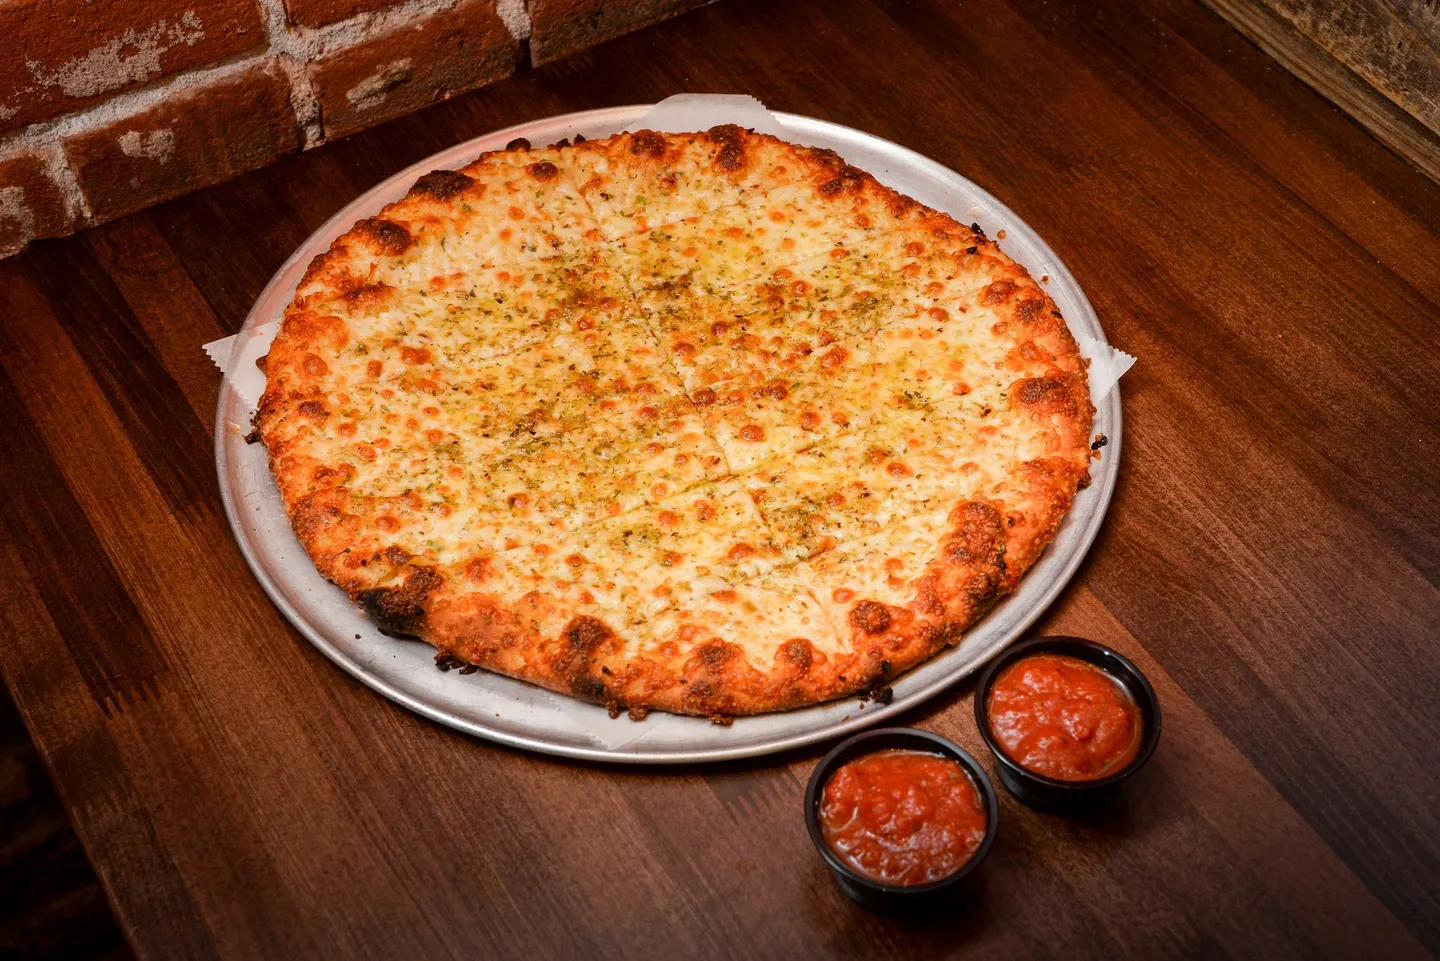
(1393, 44)
(1271, 558)
(1377, 60)
(51, 905)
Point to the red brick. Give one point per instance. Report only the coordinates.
(31, 203)
(318, 13)
(561, 27)
(192, 139)
(414, 65)
(72, 53)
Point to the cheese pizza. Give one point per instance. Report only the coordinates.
(708, 423)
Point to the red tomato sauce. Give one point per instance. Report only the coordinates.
(1064, 718)
(902, 817)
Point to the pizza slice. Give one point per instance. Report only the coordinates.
(635, 566)
(717, 246)
(505, 208)
(863, 482)
(379, 332)
(634, 182)
(424, 425)
(600, 470)
(760, 331)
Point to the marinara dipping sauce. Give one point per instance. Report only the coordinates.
(902, 817)
(1064, 718)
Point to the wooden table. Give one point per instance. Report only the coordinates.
(1270, 560)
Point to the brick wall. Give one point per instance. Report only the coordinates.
(107, 108)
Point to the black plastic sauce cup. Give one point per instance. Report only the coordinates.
(866, 891)
(1047, 793)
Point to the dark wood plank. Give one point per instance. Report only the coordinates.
(51, 904)
(1377, 61)
(1271, 559)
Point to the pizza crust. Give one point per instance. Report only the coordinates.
(708, 423)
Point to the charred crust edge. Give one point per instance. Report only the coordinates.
(442, 184)
(583, 638)
(386, 235)
(400, 611)
(647, 143)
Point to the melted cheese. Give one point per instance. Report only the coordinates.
(717, 248)
(633, 184)
(758, 614)
(866, 481)
(879, 567)
(644, 563)
(462, 319)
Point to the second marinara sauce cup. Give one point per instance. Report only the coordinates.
(1048, 709)
(950, 797)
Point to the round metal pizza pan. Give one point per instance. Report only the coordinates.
(519, 714)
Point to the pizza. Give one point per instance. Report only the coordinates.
(709, 423)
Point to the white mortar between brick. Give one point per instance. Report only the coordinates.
(516, 15)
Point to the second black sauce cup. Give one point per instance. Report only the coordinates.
(866, 891)
(1046, 793)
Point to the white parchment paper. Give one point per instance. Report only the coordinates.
(701, 111)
